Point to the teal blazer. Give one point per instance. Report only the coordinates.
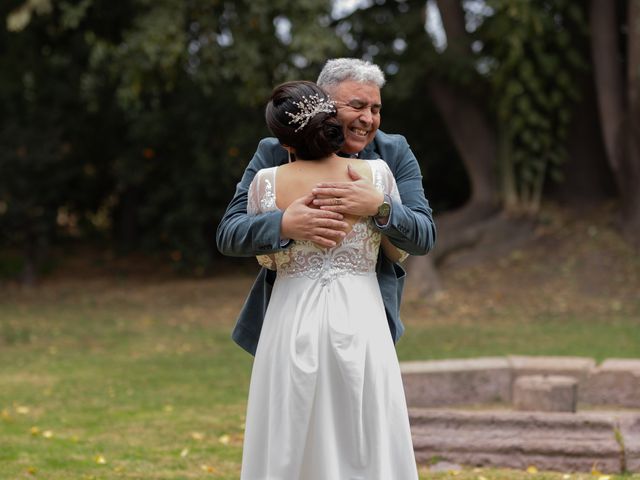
(410, 228)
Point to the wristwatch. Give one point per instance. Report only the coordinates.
(385, 207)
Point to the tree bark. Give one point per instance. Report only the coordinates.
(453, 21)
(470, 130)
(631, 173)
(619, 107)
(474, 140)
(588, 180)
(609, 78)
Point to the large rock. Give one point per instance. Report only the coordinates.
(545, 393)
(457, 382)
(576, 367)
(615, 382)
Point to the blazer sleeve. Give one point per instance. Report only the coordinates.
(240, 234)
(410, 226)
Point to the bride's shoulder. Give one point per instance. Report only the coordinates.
(378, 165)
(265, 174)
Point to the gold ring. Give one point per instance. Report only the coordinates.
(338, 201)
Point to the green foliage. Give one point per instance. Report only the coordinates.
(522, 69)
(534, 50)
(133, 121)
(39, 114)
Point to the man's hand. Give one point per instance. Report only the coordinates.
(359, 198)
(301, 221)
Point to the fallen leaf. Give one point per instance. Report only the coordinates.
(184, 452)
(197, 436)
(100, 460)
(32, 470)
(34, 431)
(224, 439)
(47, 434)
(22, 410)
(532, 469)
(208, 468)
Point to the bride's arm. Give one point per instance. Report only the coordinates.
(392, 252)
(267, 261)
(255, 195)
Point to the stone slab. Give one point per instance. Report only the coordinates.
(576, 367)
(615, 382)
(440, 383)
(630, 433)
(545, 393)
(553, 441)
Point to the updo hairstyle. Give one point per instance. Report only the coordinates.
(320, 137)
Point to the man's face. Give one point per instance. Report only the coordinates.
(358, 106)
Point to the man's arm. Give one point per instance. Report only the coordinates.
(410, 226)
(243, 235)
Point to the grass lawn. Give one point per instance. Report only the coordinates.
(113, 377)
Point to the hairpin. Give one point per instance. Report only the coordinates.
(308, 107)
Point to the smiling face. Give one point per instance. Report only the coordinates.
(358, 106)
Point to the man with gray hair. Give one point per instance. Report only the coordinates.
(355, 86)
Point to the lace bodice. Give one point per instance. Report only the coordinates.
(357, 254)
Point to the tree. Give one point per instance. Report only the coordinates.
(167, 109)
(619, 99)
(43, 175)
(505, 84)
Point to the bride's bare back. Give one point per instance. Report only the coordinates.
(297, 179)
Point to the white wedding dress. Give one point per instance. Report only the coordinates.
(326, 400)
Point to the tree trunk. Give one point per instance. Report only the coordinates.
(609, 78)
(452, 15)
(588, 180)
(631, 196)
(620, 121)
(423, 281)
(470, 130)
(475, 140)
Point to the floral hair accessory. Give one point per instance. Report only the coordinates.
(309, 107)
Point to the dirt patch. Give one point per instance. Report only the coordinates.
(571, 264)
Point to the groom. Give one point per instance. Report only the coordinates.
(355, 87)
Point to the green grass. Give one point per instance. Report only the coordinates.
(137, 380)
(567, 335)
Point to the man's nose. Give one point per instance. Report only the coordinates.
(366, 116)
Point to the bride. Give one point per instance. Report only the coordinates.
(326, 400)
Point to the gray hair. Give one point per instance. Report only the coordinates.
(338, 70)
